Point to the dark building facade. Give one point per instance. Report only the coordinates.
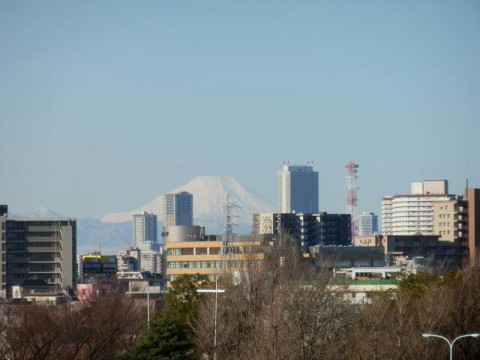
(438, 254)
(348, 256)
(308, 229)
(97, 266)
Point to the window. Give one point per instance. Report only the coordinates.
(174, 252)
(201, 251)
(187, 251)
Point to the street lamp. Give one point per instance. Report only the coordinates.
(474, 335)
(216, 291)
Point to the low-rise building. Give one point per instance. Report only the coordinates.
(87, 292)
(97, 266)
(438, 254)
(348, 256)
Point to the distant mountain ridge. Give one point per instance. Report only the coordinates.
(92, 234)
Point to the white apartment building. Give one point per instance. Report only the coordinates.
(413, 214)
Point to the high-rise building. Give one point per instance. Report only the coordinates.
(472, 196)
(367, 223)
(298, 189)
(178, 209)
(413, 214)
(43, 250)
(144, 229)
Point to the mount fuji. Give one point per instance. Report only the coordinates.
(114, 231)
(209, 197)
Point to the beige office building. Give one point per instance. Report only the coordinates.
(450, 220)
(189, 251)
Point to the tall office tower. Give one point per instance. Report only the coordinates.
(42, 249)
(178, 209)
(413, 214)
(472, 196)
(298, 189)
(144, 229)
(367, 223)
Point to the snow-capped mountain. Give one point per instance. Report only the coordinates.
(209, 196)
(38, 213)
(114, 231)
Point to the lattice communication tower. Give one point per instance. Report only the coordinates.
(352, 195)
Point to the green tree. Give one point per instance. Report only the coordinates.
(415, 285)
(170, 334)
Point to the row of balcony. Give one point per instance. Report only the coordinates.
(28, 260)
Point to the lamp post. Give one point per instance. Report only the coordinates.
(148, 305)
(216, 291)
(450, 344)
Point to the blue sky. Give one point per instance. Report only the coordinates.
(105, 105)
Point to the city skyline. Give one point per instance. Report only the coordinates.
(90, 91)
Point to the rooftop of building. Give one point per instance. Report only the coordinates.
(419, 196)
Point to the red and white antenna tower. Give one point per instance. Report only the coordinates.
(352, 194)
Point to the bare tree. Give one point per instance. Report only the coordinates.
(102, 329)
(283, 308)
(32, 332)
